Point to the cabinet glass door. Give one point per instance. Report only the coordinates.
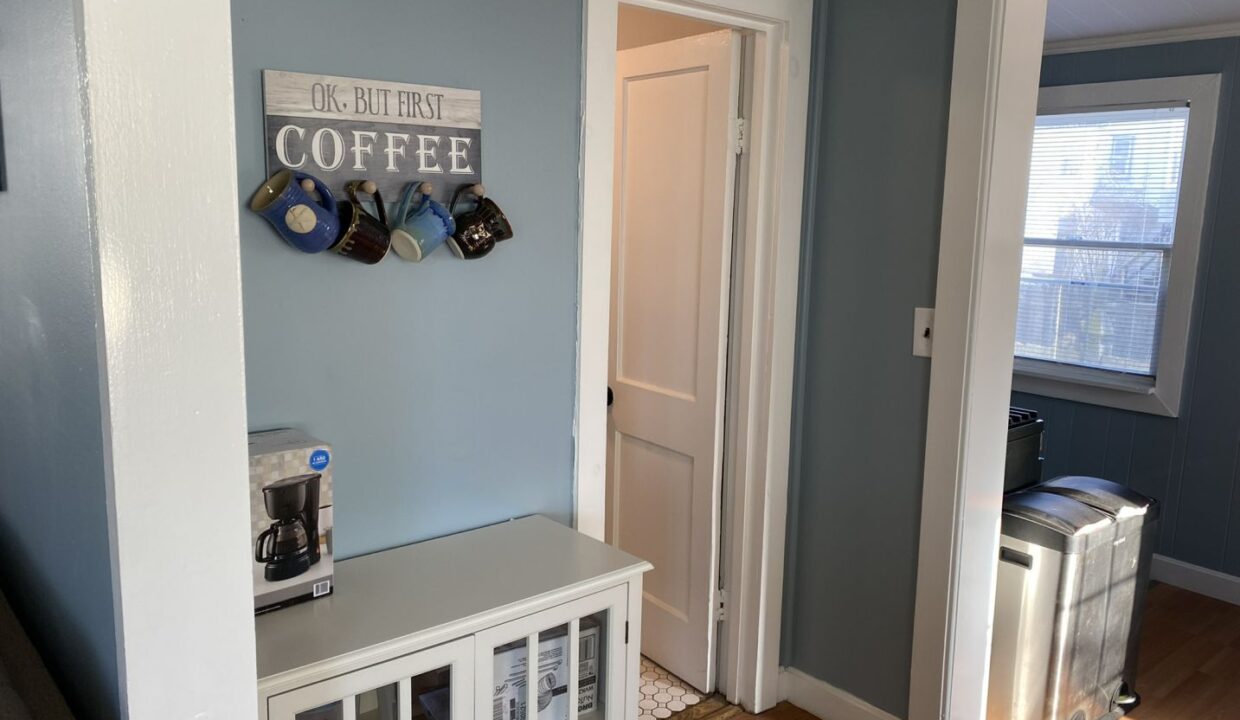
(378, 704)
(592, 667)
(334, 711)
(571, 678)
(432, 684)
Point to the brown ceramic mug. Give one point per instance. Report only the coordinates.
(477, 230)
(363, 237)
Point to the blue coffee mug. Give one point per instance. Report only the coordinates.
(420, 224)
(307, 224)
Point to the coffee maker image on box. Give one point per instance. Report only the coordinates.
(291, 528)
(291, 545)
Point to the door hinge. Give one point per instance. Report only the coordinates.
(740, 135)
(721, 607)
(626, 632)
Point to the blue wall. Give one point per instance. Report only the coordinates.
(447, 387)
(871, 256)
(1191, 463)
(55, 563)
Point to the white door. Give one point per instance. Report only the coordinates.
(672, 241)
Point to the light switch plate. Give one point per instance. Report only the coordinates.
(923, 332)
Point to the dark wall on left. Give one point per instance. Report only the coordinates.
(445, 387)
(55, 562)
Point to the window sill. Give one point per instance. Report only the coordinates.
(1093, 387)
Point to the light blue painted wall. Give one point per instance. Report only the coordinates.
(55, 566)
(1191, 463)
(446, 388)
(871, 256)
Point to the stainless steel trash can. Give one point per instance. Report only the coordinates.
(1136, 517)
(1050, 610)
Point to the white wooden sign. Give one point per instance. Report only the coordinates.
(340, 129)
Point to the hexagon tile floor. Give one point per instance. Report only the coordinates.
(662, 693)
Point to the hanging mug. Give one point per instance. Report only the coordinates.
(286, 202)
(479, 229)
(420, 225)
(364, 237)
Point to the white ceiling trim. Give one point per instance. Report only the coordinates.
(1156, 37)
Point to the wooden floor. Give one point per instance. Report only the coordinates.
(1190, 658)
(717, 708)
(1189, 666)
(782, 711)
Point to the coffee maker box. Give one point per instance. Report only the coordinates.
(293, 563)
(510, 661)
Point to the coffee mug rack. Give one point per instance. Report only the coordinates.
(303, 211)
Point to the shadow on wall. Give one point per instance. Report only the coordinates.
(55, 561)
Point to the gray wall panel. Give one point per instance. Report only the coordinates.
(872, 251)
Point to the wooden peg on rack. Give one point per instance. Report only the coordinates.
(369, 187)
(426, 188)
(478, 190)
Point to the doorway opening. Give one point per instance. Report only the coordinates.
(692, 173)
(679, 109)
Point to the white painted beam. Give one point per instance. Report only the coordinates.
(165, 204)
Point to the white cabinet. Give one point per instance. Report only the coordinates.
(578, 643)
(443, 630)
(418, 685)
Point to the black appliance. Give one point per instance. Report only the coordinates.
(291, 545)
(1024, 450)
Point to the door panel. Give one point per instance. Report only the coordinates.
(657, 282)
(659, 490)
(672, 240)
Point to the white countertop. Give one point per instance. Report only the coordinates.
(413, 590)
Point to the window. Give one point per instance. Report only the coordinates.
(1117, 188)
(1103, 191)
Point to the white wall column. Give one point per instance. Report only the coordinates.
(995, 70)
(164, 204)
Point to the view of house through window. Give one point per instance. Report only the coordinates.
(1103, 195)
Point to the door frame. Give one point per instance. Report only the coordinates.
(994, 96)
(768, 255)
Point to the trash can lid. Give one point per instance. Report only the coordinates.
(1052, 521)
(1116, 500)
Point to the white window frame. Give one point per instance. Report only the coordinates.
(1159, 395)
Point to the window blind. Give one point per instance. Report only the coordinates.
(1104, 190)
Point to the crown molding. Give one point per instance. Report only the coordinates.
(1156, 37)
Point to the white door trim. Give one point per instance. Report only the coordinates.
(768, 270)
(994, 96)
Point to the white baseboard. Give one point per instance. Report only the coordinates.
(1202, 581)
(824, 700)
